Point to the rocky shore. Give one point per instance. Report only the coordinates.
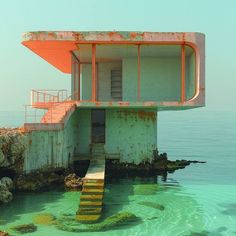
(12, 178)
(12, 146)
(160, 165)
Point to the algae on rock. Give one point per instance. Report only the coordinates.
(44, 219)
(112, 222)
(25, 228)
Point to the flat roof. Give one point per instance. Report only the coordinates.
(55, 46)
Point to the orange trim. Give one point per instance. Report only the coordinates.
(74, 78)
(183, 73)
(59, 53)
(78, 93)
(139, 79)
(94, 95)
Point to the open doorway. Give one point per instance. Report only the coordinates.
(98, 126)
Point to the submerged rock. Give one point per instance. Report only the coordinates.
(3, 233)
(26, 228)
(44, 219)
(153, 205)
(119, 219)
(40, 179)
(73, 182)
(110, 223)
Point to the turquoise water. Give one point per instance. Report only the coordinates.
(201, 197)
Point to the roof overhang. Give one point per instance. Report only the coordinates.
(55, 46)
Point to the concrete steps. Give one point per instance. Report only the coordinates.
(91, 199)
(57, 112)
(97, 149)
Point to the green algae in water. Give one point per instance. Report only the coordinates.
(25, 228)
(118, 220)
(153, 205)
(3, 222)
(44, 219)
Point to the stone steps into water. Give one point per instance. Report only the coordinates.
(91, 199)
(90, 211)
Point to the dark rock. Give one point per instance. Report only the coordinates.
(7, 182)
(12, 147)
(158, 165)
(5, 194)
(39, 180)
(73, 182)
(26, 228)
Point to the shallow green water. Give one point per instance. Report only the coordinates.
(189, 208)
(201, 197)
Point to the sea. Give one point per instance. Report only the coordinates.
(198, 200)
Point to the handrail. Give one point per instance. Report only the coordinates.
(47, 95)
(46, 105)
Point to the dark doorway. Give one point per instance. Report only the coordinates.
(98, 126)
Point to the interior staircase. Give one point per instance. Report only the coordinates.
(91, 199)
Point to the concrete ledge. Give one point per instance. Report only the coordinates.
(28, 127)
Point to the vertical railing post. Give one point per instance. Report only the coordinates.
(32, 97)
(35, 115)
(74, 78)
(139, 72)
(78, 90)
(183, 73)
(94, 92)
(25, 113)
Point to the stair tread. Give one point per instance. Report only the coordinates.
(92, 187)
(88, 217)
(92, 190)
(93, 184)
(90, 203)
(92, 197)
(89, 211)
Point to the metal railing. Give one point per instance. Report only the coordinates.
(33, 115)
(44, 96)
(47, 101)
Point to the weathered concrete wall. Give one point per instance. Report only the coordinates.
(132, 134)
(51, 148)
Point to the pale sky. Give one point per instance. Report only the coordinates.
(21, 70)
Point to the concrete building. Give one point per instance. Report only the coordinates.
(119, 83)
